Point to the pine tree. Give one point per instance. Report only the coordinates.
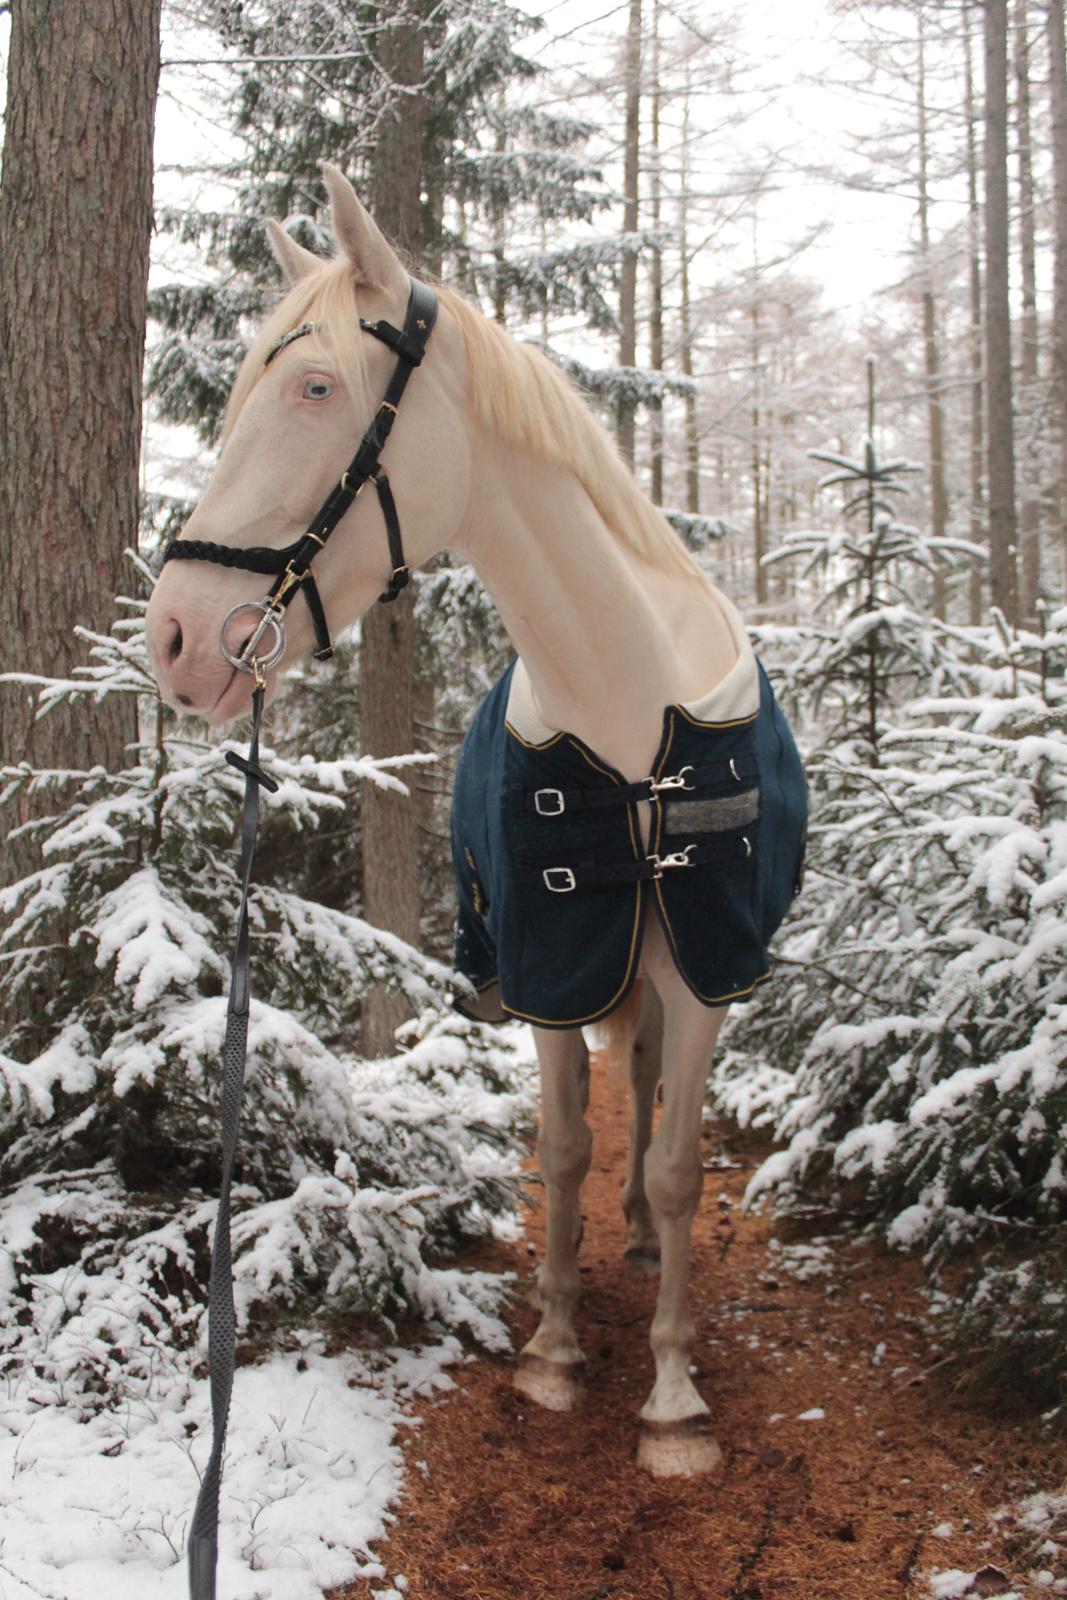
(914, 1041)
(108, 1091)
(485, 157)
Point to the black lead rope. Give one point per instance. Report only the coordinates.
(221, 1320)
(293, 568)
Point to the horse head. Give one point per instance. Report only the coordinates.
(309, 388)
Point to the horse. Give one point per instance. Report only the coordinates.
(595, 885)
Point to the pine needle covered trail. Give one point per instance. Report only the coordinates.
(850, 1473)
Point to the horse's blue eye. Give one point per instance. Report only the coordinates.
(317, 389)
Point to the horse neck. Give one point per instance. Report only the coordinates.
(580, 609)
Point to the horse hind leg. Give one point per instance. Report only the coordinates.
(676, 1437)
(550, 1365)
(642, 1253)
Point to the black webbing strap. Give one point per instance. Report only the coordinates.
(557, 802)
(588, 873)
(222, 1321)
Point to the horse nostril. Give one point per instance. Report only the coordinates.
(175, 646)
(184, 700)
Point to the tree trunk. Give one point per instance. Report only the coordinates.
(387, 637)
(628, 273)
(655, 318)
(759, 527)
(75, 224)
(1058, 98)
(1000, 442)
(692, 437)
(974, 246)
(934, 414)
(1030, 518)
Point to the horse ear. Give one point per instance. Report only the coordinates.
(294, 260)
(376, 264)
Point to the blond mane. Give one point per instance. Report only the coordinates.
(517, 394)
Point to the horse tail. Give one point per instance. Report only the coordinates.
(614, 1035)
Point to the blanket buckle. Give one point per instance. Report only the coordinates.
(569, 881)
(549, 803)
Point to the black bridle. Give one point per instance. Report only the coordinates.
(293, 568)
(292, 563)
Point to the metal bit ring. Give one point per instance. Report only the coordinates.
(247, 661)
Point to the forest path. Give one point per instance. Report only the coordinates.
(526, 1504)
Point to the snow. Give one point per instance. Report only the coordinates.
(813, 1414)
(949, 1584)
(100, 1505)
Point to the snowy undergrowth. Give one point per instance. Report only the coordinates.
(910, 1055)
(358, 1182)
(1032, 1533)
(99, 1506)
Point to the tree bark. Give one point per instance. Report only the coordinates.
(628, 272)
(1000, 439)
(759, 501)
(1058, 98)
(75, 225)
(387, 636)
(974, 246)
(935, 419)
(692, 436)
(656, 309)
(1030, 516)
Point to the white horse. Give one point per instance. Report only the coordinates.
(493, 456)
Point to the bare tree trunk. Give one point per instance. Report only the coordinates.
(499, 222)
(1030, 519)
(1000, 440)
(759, 529)
(656, 311)
(75, 224)
(692, 437)
(974, 230)
(628, 273)
(934, 413)
(390, 830)
(1058, 98)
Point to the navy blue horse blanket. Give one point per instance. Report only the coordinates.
(554, 885)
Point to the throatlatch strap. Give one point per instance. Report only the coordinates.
(222, 1321)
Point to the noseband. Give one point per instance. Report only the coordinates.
(292, 564)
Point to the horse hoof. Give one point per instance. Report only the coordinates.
(641, 1260)
(555, 1385)
(683, 1449)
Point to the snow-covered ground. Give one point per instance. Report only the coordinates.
(98, 1509)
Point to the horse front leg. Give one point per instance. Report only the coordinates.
(642, 1254)
(676, 1437)
(550, 1365)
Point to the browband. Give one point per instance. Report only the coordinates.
(292, 563)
